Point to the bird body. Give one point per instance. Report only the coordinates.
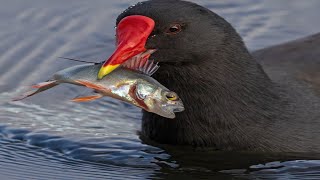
(232, 102)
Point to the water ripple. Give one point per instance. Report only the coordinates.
(48, 137)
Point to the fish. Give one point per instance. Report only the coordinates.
(131, 83)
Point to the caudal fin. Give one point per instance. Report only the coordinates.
(38, 88)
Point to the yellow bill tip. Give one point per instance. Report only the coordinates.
(106, 70)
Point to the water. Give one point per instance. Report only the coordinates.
(48, 137)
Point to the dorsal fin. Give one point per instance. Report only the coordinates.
(142, 64)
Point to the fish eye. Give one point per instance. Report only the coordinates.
(174, 29)
(172, 96)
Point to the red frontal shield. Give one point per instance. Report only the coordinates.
(132, 34)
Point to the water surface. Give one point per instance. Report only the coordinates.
(48, 137)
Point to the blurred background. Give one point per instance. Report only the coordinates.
(47, 137)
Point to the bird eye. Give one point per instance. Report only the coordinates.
(174, 29)
(172, 97)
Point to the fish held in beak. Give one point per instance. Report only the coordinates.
(131, 83)
(132, 34)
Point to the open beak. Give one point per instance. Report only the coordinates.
(132, 34)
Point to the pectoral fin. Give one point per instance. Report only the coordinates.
(87, 98)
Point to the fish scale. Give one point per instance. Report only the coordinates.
(131, 83)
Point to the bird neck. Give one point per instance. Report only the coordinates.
(230, 103)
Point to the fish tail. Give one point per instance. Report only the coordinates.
(38, 88)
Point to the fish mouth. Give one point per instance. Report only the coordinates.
(132, 34)
(166, 113)
(170, 110)
(178, 109)
(170, 116)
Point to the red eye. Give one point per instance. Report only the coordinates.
(174, 29)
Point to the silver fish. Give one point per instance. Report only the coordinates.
(131, 83)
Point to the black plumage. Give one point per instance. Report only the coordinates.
(231, 102)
